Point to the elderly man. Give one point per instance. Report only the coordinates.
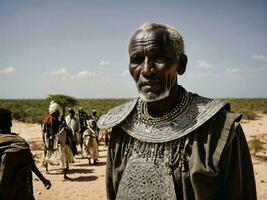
(170, 143)
(16, 163)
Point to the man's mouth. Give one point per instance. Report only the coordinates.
(154, 86)
(150, 83)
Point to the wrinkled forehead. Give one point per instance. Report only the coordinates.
(158, 37)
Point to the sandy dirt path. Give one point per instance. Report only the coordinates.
(88, 182)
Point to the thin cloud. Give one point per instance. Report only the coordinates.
(62, 73)
(65, 74)
(232, 70)
(85, 75)
(104, 62)
(259, 57)
(258, 69)
(203, 64)
(7, 70)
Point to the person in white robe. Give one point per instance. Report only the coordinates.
(90, 147)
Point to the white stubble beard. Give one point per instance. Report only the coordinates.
(150, 97)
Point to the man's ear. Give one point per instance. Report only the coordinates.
(182, 64)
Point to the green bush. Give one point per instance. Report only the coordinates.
(245, 104)
(248, 107)
(35, 110)
(248, 114)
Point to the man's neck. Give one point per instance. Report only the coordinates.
(164, 106)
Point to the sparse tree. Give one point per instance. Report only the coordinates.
(64, 101)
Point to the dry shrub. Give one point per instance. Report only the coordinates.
(248, 114)
(256, 145)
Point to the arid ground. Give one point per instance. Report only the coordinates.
(88, 182)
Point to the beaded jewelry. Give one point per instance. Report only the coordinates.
(145, 117)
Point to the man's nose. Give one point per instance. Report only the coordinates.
(148, 67)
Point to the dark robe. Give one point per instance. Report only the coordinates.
(216, 162)
(16, 161)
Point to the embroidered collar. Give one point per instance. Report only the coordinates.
(198, 111)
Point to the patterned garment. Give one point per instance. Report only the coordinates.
(199, 153)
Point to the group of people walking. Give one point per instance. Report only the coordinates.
(61, 136)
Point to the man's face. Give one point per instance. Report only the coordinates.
(153, 64)
(56, 114)
(93, 124)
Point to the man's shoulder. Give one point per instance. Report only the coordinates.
(13, 140)
(215, 105)
(116, 115)
(212, 107)
(204, 104)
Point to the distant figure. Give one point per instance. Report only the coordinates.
(57, 140)
(51, 126)
(16, 163)
(72, 122)
(94, 115)
(104, 134)
(90, 138)
(83, 117)
(66, 155)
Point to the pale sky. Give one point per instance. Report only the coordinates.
(79, 48)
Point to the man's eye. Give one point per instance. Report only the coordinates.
(137, 59)
(161, 59)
